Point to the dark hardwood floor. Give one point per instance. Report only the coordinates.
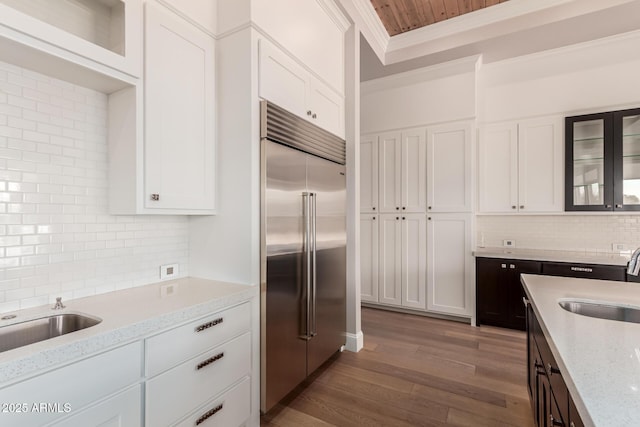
(417, 371)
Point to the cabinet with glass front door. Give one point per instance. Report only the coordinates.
(602, 156)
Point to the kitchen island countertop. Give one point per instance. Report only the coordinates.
(127, 315)
(599, 358)
(553, 255)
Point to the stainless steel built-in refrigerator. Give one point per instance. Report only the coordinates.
(303, 250)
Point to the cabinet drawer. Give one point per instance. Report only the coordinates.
(177, 345)
(231, 409)
(123, 409)
(76, 385)
(584, 271)
(182, 389)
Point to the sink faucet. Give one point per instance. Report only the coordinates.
(59, 305)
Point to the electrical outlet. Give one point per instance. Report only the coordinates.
(508, 243)
(620, 247)
(168, 271)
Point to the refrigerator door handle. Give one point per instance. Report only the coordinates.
(307, 266)
(314, 329)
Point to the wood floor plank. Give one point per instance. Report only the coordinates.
(417, 371)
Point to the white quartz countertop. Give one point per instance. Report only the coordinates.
(551, 255)
(127, 315)
(599, 358)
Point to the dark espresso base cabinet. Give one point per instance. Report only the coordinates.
(499, 292)
(550, 400)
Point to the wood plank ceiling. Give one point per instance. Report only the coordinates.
(399, 16)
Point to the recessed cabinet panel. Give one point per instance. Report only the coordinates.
(414, 254)
(498, 168)
(327, 107)
(540, 165)
(369, 174)
(390, 267)
(369, 257)
(449, 264)
(449, 168)
(179, 113)
(413, 181)
(390, 171)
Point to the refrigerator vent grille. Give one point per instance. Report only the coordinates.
(285, 128)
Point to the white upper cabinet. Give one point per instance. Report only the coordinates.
(179, 113)
(369, 174)
(520, 166)
(402, 171)
(73, 39)
(287, 83)
(449, 168)
(312, 31)
(449, 264)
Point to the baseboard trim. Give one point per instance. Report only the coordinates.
(355, 342)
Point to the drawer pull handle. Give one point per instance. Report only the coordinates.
(209, 324)
(552, 369)
(555, 422)
(209, 414)
(209, 361)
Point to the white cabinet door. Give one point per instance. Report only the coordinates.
(369, 257)
(179, 112)
(389, 172)
(122, 410)
(540, 165)
(498, 168)
(449, 168)
(326, 106)
(449, 264)
(369, 173)
(390, 264)
(414, 260)
(282, 80)
(413, 180)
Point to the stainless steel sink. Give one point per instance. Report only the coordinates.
(603, 311)
(36, 330)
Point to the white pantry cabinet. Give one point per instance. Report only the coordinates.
(402, 262)
(369, 257)
(520, 166)
(74, 41)
(287, 83)
(369, 173)
(449, 264)
(449, 167)
(402, 171)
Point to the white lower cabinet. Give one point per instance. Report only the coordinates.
(230, 409)
(402, 266)
(70, 389)
(197, 380)
(122, 410)
(369, 257)
(449, 264)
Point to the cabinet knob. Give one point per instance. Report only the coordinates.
(397, 218)
(618, 206)
(555, 422)
(374, 208)
(403, 218)
(607, 206)
(429, 218)
(513, 206)
(155, 197)
(552, 370)
(397, 208)
(512, 266)
(429, 207)
(403, 208)
(521, 206)
(314, 116)
(374, 218)
(503, 265)
(309, 112)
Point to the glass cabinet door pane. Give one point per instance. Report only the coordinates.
(588, 162)
(631, 160)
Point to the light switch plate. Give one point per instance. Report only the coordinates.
(508, 243)
(169, 271)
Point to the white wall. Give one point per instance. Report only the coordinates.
(56, 237)
(442, 93)
(226, 246)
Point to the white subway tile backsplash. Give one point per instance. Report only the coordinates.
(56, 235)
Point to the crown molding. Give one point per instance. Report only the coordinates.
(366, 18)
